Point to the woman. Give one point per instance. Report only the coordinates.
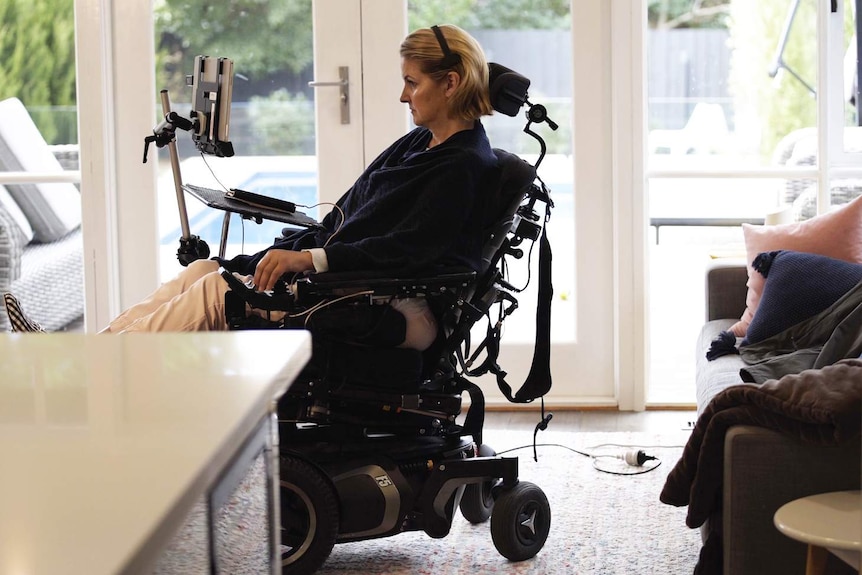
(416, 205)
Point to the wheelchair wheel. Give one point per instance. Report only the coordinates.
(477, 503)
(309, 517)
(521, 521)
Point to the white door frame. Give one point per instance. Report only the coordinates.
(116, 96)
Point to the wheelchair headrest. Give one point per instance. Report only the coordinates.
(508, 89)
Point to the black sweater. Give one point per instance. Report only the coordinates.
(412, 208)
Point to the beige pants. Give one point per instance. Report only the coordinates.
(194, 301)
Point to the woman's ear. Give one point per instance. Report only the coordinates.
(453, 80)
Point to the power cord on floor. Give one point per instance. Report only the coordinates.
(634, 460)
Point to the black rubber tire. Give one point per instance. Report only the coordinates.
(521, 521)
(309, 517)
(477, 503)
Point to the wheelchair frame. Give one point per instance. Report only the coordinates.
(409, 463)
(361, 461)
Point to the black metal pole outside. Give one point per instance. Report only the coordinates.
(858, 95)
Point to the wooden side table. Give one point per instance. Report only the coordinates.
(828, 523)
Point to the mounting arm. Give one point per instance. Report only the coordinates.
(164, 134)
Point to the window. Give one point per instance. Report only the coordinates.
(739, 95)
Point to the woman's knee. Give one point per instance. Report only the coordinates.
(201, 268)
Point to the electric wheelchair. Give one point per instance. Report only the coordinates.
(372, 439)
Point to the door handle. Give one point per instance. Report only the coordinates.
(344, 85)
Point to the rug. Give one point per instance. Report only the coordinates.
(602, 523)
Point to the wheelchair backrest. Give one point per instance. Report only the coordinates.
(506, 189)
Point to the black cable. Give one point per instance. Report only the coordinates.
(541, 426)
(645, 460)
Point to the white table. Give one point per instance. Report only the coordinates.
(827, 522)
(108, 442)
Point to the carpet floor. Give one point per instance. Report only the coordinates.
(602, 523)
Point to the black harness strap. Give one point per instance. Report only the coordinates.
(538, 381)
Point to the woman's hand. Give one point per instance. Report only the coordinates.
(275, 263)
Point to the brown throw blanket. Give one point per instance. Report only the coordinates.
(819, 406)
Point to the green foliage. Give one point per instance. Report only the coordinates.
(490, 14)
(37, 41)
(260, 36)
(283, 125)
(687, 13)
(783, 105)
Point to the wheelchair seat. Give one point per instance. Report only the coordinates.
(373, 440)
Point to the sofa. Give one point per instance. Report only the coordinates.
(778, 390)
(762, 468)
(41, 247)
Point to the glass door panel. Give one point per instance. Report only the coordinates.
(536, 41)
(731, 90)
(272, 115)
(38, 69)
(733, 138)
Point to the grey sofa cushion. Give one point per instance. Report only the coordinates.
(718, 374)
(53, 210)
(12, 244)
(8, 203)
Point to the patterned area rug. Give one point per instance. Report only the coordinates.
(602, 523)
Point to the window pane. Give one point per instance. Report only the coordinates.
(272, 115)
(730, 87)
(37, 43)
(728, 80)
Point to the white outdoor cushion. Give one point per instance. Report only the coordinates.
(11, 207)
(53, 210)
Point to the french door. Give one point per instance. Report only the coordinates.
(591, 357)
(584, 364)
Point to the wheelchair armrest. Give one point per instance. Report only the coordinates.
(260, 300)
(399, 283)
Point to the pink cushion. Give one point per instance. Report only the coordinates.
(835, 234)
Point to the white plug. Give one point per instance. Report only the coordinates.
(635, 458)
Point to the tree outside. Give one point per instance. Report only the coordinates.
(37, 40)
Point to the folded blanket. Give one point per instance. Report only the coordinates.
(818, 406)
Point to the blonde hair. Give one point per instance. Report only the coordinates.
(471, 100)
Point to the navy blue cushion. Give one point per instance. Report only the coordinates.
(798, 286)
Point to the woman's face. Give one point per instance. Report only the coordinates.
(425, 97)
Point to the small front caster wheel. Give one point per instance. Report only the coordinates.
(477, 503)
(521, 521)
